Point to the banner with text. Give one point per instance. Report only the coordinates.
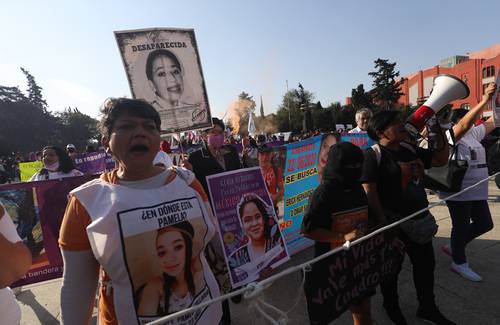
(301, 177)
(91, 163)
(361, 140)
(37, 209)
(248, 226)
(340, 280)
(28, 169)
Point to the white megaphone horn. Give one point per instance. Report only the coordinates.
(446, 89)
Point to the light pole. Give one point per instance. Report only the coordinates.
(288, 107)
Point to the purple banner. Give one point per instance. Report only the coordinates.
(248, 226)
(91, 163)
(37, 209)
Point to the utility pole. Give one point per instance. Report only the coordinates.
(288, 107)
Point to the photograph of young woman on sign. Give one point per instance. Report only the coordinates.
(264, 244)
(175, 288)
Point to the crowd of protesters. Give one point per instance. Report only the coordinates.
(385, 181)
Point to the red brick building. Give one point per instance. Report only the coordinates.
(477, 69)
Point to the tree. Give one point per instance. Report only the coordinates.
(360, 98)
(289, 115)
(245, 96)
(77, 128)
(35, 92)
(386, 90)
(11, 95)
(27, 125)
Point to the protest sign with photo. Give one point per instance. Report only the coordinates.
(163, 67)
(248, 226)
(301, 177)
(37, 209)
(340, 280)
(28, 169)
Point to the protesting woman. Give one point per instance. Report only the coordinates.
(56, 164)
(472, 204)
(338, 211)
(115, 224)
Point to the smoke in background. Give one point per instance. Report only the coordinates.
(238, 111)
(237, 116)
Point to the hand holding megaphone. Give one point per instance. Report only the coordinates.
(446, 89)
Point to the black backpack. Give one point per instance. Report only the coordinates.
(493, 156)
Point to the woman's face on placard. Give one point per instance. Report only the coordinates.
(253, 221)
(167, 78)
(171, 251)
(329, 141)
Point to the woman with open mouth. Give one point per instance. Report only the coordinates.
(119, 229)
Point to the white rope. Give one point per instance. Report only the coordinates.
(254, 288)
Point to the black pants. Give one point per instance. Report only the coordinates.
(463, 230)
(423, 263)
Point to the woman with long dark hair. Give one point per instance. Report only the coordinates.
(258, 224)
(56, 164)
(263, 239)
(174, 288)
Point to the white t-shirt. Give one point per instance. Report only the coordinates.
(10, 312)
(471, 149)
(163, 158)
(357, 129)
(54, 175)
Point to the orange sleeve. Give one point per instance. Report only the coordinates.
(73, 234)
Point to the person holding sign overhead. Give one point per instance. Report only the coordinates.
(120, 228)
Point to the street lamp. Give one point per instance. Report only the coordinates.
(288, 108)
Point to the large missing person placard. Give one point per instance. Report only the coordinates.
(163, 67)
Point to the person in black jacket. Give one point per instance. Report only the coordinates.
(214, 157)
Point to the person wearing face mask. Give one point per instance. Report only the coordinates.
(392, 178)
(56, 164)
(337, 212)
(214, 158)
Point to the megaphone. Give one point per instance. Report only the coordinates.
(446, 88)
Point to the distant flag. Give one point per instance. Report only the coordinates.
(251, 124)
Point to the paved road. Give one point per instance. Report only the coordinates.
(461, 300)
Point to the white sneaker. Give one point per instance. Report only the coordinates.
(465, 271)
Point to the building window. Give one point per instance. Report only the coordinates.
(489, 71)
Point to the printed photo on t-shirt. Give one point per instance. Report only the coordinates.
(21, 206)
(162, 246)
